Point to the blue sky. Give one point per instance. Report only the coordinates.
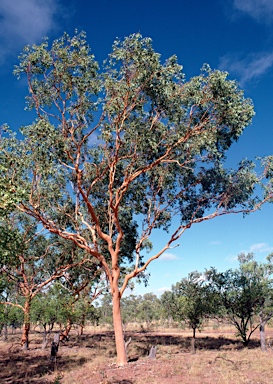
(233, 35)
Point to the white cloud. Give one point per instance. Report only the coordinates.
(260, 247)
(161, 290)
(24, 22)
(232, 258)
(261, 10)
(249, 67)
(168, 256)
(254, 248)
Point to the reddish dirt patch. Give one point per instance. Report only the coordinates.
(91, 360)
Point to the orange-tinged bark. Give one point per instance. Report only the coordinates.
(119, 337)
(26, 327)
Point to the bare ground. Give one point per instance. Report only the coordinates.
(91, 360)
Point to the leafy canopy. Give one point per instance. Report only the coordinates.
(244, 293)
(131, 142)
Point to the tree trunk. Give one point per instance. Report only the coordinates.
(245, 341)
(193, 349)
(262, 333)
(26, 326)
(65, 333)
(46, 335)
(25, 336)
(45, 339)
(5, 332)
(119, 337)
(82, 324)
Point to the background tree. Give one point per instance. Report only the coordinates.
(56, 308)
(167, 304)
(261, 272)
(11, 192)
(149, 309)
(10, 316)
(244, 293)
(130, 308)
(105, 308)
(87, 313)
(141, 309)
(50, 309)
(83, 284)
(193, 301)
(30, 261)
(134, 140)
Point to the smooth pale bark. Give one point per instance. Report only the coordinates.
(262, 336)
(45, 339)
(263, 320)
(118, 329)
(46, 335)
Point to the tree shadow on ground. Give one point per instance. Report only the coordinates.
(24, 367)
(143, 343)
(17, 367)
(105, 342)
(122, 382)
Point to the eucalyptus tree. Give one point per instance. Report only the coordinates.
(11, 190)
(82, 284)
(192, 301)
(131, 143)
(9, 315)
(245, 293)
(105, 309)
(168, 307)
(130, 309)
(30, 261)
(149, 309)
(88, 313)
(262, 275)
(57, 307)
(50, 308)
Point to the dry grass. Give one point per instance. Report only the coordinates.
(91, 360)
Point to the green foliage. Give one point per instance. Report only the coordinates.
(133, 139)
(30, 261)
(51, 307)
(191, 301)
(105, 309)
(11, 190)
(117, 152)
(141, 309)
(57, 305)
(138, 309)
(149, 308)
(267, 163)
(9, 315)
(244, 293)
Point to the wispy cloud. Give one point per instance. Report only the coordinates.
(161, 290)
(168, 256)
(24, 22)
(247, 68)
(261, 10)
(232, 258)
(254, 248)
(260, 247)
